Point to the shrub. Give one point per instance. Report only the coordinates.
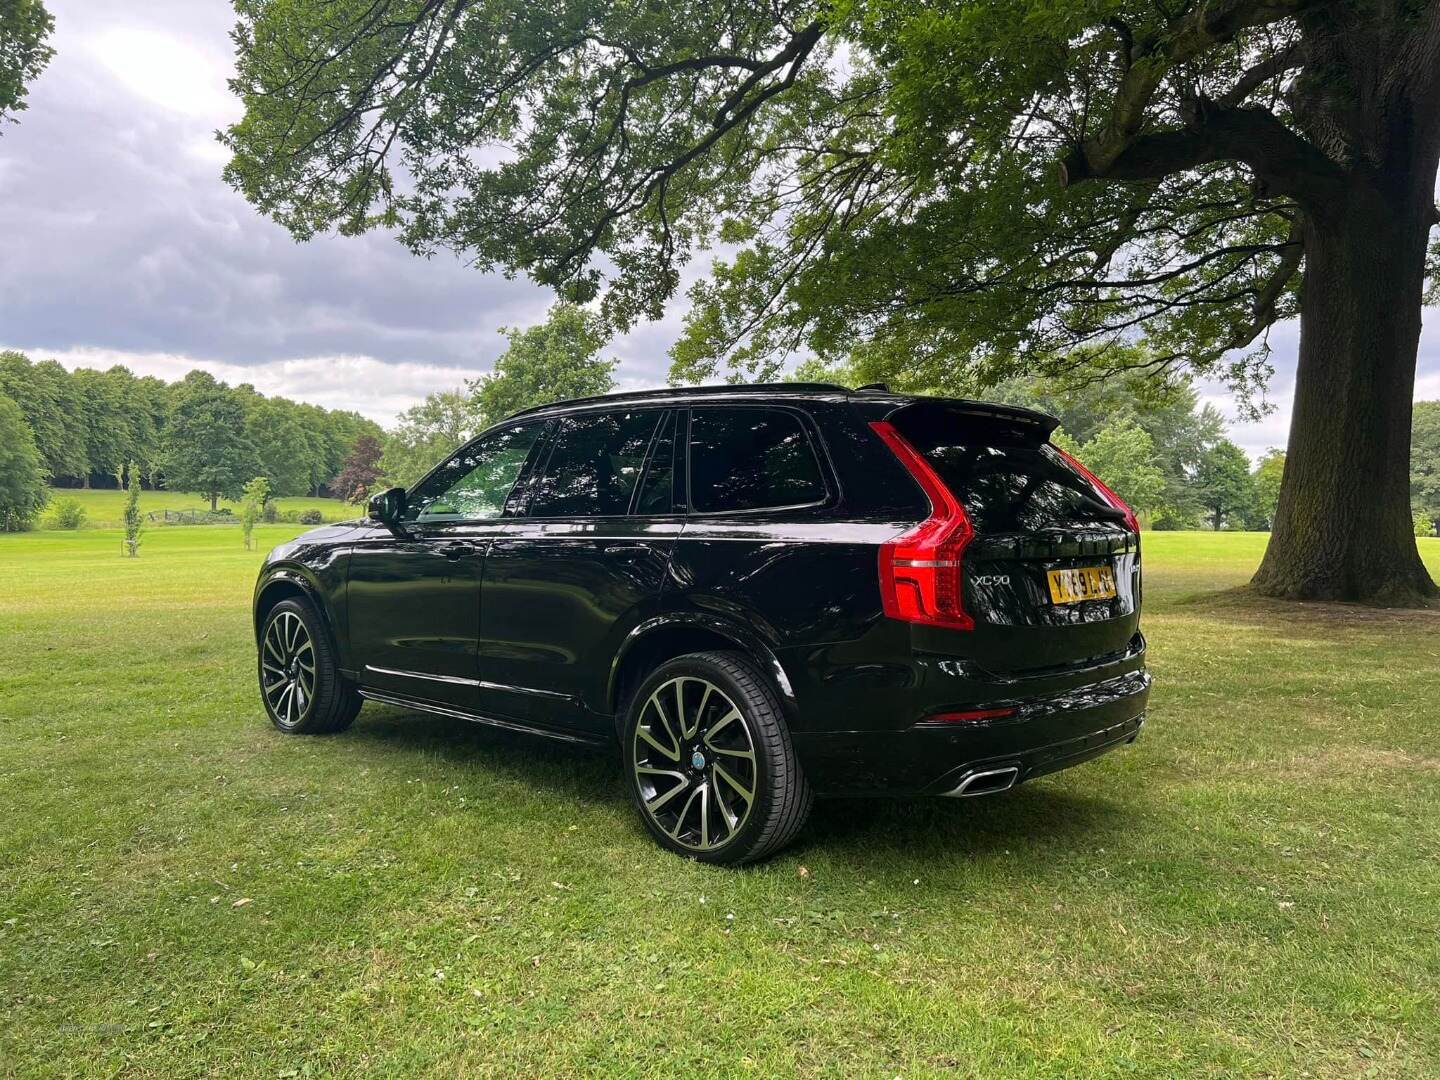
(269, 514)
(1424, 524)
(311, 517)
(65, 514)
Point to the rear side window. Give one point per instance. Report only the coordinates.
(1009, 485)
(750, 459)
(594, 464)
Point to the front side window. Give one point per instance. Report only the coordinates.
(474, 484)
(750, 459)
(594, 464)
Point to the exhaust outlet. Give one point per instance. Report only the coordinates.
(986, 782)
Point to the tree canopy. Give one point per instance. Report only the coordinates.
(206, 448)
(1425, 461)
(982, 186)
(557, 358)
(25, 29)
(22, 475)
(358, 476)
(1224, 485)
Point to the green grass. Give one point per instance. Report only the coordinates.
(1253, 889)
(105, 508)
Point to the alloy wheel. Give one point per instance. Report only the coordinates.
(695, 763)
(287, 665)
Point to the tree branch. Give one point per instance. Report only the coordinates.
(1285, 162)
(1284, 60)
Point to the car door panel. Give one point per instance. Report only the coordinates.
(561, 591)
(413, 592)
(414, 611)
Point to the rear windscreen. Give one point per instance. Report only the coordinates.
(1008, 483)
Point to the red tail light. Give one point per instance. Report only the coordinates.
(1131, 521)
(920, 572)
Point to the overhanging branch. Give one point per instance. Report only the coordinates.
(1285, 162)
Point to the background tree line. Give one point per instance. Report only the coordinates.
(88, 428)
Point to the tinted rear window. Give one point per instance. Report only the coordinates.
(593, 465)
(748, 459)
(1010, 485)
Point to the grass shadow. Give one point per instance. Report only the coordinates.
(1032, 817)
(1316, 619)
(581, 773)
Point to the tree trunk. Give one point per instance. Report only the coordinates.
(1343, 529)
(214, 499)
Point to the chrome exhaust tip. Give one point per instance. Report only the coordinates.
(986, 782)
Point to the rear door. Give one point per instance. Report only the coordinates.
(578, 568)
(1052, 576)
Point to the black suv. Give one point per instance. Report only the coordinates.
(764, 593)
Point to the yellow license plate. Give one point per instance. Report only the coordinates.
(1082, 583)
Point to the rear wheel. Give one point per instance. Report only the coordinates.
(710, 763)
(300, 681)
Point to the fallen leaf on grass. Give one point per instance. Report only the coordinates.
(242, 902)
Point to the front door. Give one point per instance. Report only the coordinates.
(578, 569)
(413, 598)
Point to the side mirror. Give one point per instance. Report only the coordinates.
(387, 507)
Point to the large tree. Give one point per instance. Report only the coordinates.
(206, 448)
(953, 183)
(22, 473)
(1225, 487)
(25, 28)
(361, 470)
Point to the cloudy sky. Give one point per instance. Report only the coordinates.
(122, 245)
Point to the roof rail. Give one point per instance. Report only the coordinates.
(686, 391)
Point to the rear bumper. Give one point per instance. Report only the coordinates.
(1045, 734)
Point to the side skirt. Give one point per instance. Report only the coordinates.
(460, 714)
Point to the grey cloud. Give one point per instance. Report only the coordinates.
(121, 235)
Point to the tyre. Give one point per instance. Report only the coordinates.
(300, 681)
(709, 760)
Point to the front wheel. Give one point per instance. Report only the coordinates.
(300, 680)
(710, 763)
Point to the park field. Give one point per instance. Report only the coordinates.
(1251, 890)
(105, 508)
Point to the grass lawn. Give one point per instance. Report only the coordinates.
(1253, 889)
(105, 508)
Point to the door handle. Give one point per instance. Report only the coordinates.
(626, 551)
(455, 552)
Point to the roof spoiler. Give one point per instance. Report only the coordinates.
(1026, 423)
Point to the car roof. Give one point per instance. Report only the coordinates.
(813, 391)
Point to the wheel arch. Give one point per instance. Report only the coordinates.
(665, 637)
(286, 584)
